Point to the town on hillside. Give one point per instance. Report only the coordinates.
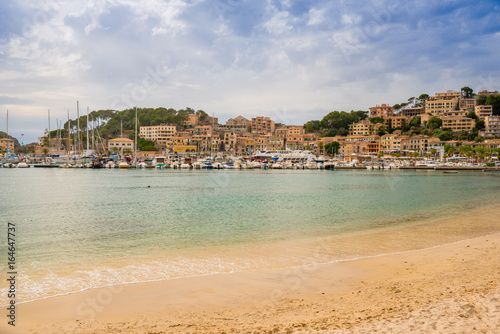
(453, 123)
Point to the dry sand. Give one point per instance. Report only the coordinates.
(452, 288)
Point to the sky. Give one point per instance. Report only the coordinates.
(291, 60)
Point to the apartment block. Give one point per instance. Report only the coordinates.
(468, 104)
(160, 134)
(442, 102)
(239, 123)
(364, 128)
(397, 121)
(483, 111)
(458, 123)
(262, 125)
(411, 112)
(491, 126)
(7, 145)
(383, 110)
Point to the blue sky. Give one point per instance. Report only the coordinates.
(291, 60)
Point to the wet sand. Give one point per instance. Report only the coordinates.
(451, 288)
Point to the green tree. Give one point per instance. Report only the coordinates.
(467, 92)
(472, 115)
(202, 115)
(332, 148)
(434, 123)
(494, 101)
(481, 100)
(415, 122)
(479, 125)
(375, 120)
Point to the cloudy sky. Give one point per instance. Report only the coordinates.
(291, 60)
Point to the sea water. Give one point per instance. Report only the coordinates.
(81, 228)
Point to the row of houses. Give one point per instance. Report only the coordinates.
(450, 107)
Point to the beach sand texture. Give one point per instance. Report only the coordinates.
(450, 288)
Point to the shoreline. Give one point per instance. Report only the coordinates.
(182, 298)
(452, 274)
(290, 254)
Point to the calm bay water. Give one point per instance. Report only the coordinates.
(79, 228)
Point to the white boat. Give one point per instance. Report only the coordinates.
(276, 165)
(217, 165)
(123, 164)
(229, 165)
(255, 164)
(22, 164)
(185, 166)
(311, 164)
(159, 162)
(141, 165)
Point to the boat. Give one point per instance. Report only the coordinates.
(159, 162)
(329, 165)
(141, 165)
(229, 165)
(123, 165)
(311, 164)
(276, 165)
(22, 164)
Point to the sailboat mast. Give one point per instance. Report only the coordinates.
(5, 133)
(135, 142)
(78, 124)
(58, 137)
(69, 138)
(49, 131)
(87, 131)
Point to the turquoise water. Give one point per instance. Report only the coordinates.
(79, 228)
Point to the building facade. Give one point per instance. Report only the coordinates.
(383, 110)
(442, 102)
(262, 125)
(160, 134)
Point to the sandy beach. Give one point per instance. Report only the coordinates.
(452, 288)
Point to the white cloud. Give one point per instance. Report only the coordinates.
(316, 16)
(278, 24)
(350, 19)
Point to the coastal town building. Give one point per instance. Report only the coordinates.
(193, 120)
(483, 111)
(491, 126)
(411, 112)
(397, 121)
(419, 144)
(424, 118)
(184, 149)
(488, 93)
(468, 104)
(383, 110)
(159, 134)
(239, 123)
(120, 144)
(460, 113)
(458, 123)
(364, 128)
(442, 102)
(262, 125)
(7, 145)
